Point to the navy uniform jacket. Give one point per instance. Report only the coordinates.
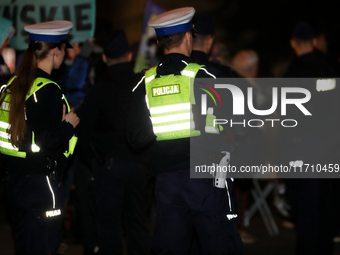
(103, 116)
(319, 132)
(216, 68)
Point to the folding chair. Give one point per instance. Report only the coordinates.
(260, 204)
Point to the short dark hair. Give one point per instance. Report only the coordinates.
(171, 41)
(199, 39)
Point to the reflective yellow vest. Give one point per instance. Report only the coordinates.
(5, 145)
(170, 99)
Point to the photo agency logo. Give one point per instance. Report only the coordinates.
(283, 99)
(306, 109)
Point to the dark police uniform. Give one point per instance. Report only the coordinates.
(182, 204)
(314, 141)
(120, 194)
(36, 201)
(33, 172)
(216, 68)
(170, 96)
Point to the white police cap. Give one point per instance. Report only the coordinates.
(50, 31)
(172, 22)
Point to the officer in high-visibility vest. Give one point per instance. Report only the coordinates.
(165, 118)
(36, 137)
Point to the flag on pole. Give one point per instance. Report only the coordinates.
(151, 10)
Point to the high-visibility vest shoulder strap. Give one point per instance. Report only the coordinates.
(191, 70)
(38, 84)
(150, 74)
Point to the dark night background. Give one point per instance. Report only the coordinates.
(264, 26)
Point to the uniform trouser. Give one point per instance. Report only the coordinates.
(29, 198)
(314, 206)
(83, 182)
(184, 205)
(121, 196)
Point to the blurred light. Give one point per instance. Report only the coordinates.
(325, 84)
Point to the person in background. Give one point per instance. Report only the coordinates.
(203, 38)
(6, 33)
(37, 129)
(320, 41)
(316, 140)
(219, 53)
(245, 64)
(73, 73)
(120, 187)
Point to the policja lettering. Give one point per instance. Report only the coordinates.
(166, 90)
(53, 213)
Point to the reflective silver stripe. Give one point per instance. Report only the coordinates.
(184, 62)
(5, 135)
(208, 72)
(35, 148)
(138, 84)
(4, 125)
(231, 216)
(7, 145)
(325, 84)
(35, 97)
(169, 118)
(211, 130)
(2, 87)
(170, 108)
(147, 100)
(229, 200)
(188, 73)
(150, 78)
(174, 127)
(49, 185)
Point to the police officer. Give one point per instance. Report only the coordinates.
(120, 192)
(314, 141)
(37, 135)
(182, 204)
(203, 38)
